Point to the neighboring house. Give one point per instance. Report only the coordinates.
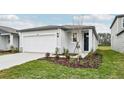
(8, 38)
(48, 38)
(117, 34)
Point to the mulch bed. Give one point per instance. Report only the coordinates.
(7, 52)
(93, 60)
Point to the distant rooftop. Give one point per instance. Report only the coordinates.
(65, 27)
(8, 29)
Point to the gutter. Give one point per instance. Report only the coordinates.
(120, 33)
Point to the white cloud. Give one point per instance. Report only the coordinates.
(100, 27)
(21, 24)
(97, 20)
(98, 17)
(16, 22)
(8, 18)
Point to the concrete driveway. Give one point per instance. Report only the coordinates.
(7, 61)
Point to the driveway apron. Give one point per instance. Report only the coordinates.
(7, 61)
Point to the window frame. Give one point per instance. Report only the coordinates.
(74, 36)
(122, 22)
(9, 40)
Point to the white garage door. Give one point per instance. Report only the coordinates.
(42, 43)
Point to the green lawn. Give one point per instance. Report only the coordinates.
(111, 67)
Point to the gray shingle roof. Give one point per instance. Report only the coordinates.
(49, 27)
(40, 28)
(8, 29)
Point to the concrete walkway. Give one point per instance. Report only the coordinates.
(10, 60)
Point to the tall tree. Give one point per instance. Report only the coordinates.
(104, 39)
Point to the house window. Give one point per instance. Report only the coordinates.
(122, 22)
(74, 37)
(9, 40)
(57, 35)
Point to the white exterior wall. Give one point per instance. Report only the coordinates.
(71, 44)
(81, 40)
(114, 31)
(64, 40)
(120, 24)
(95, 43)
(4, 43)
(11, 40)
(120, 43)
(4, 40)
(90, 40)
(117, 42)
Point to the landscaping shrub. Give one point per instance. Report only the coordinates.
(57, 56)
(64, 51)
(14, 50)
(92, 60)
(57, 51)
(68, 57)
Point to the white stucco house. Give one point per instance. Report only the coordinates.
(48, 38)
(8, 38)
(117, 34)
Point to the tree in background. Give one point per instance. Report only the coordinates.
(104, 39)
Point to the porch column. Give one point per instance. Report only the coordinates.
(11, 40)
(90, 40)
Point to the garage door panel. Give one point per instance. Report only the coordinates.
(44, 43)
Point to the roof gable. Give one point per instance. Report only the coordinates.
(118, 16)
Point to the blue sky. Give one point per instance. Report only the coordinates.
(22, 21)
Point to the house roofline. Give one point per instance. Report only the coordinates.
(64, 27)
(118, 16)
(40, 28)
(120, 33)
(8, 29)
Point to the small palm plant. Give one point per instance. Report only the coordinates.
(12, 49)
(64, 51)
(67, 54)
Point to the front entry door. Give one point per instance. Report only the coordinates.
(86, 41)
